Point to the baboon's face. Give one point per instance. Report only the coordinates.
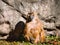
(28, 17)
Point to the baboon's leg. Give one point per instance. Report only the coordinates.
(36, 39)
(27, 37)
(42, 36)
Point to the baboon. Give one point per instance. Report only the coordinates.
(34, 31)
(16, 34)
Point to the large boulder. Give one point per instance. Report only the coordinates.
(48, 11)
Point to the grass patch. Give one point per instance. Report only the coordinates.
(50, 40)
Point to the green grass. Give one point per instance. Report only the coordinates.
(50, 40)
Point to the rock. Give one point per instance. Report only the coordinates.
(58, 22)
(5, 28)
(52, 33)
(1, 18)
(58, 33)
(49, 25)
(11, 11)
(11, 15)
(4, 37)
(9, 2)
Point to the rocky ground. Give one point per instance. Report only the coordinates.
(11, 11)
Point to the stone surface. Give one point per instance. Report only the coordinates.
(48, 11)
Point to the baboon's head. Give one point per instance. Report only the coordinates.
(28, 17)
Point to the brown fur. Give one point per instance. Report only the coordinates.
(34, 30)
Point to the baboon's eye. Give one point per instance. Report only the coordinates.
(31, 15)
